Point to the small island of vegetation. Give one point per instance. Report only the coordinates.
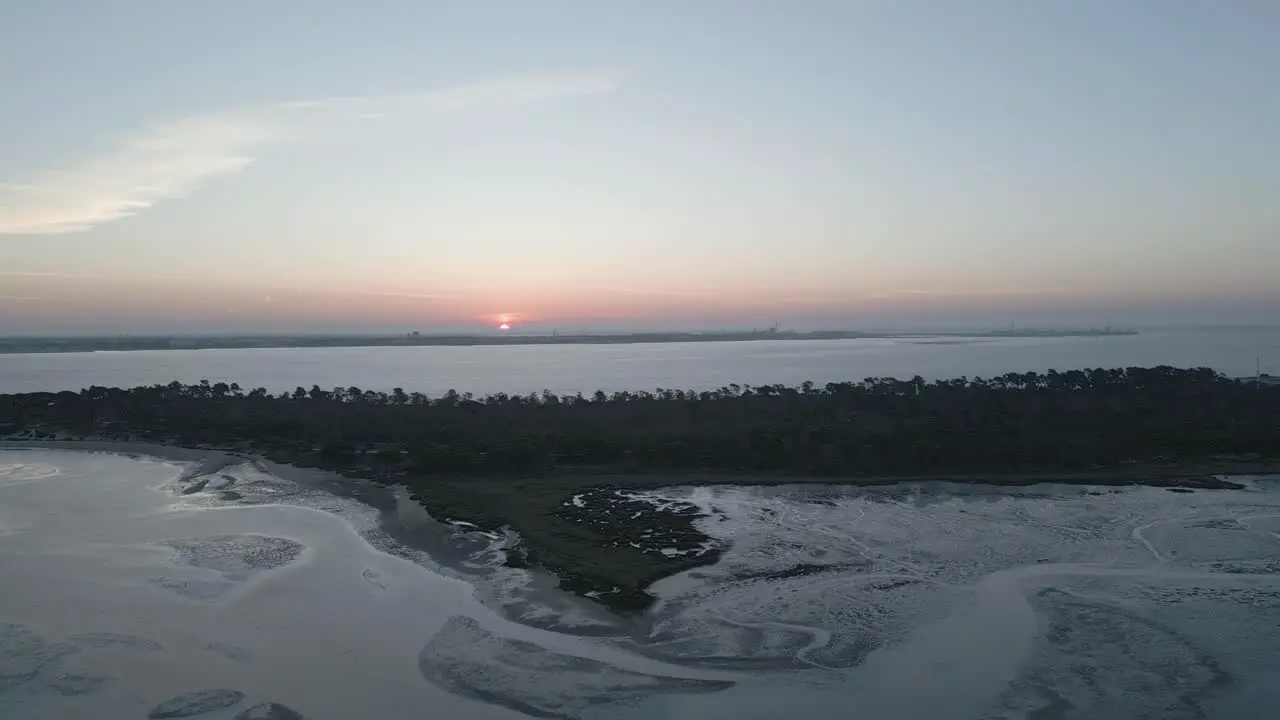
(559, 469)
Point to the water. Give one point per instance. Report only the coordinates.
(135, 584)
(122, 593)
(586, 368)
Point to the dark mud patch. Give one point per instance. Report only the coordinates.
(1106, 661)
(846, 649)
(210, 567)
(227, 651)
(269, 711)
(206, 462)
(465, 659)
(238, 556)
(886, 585)
(196, 703)
(192, 589)
(1056, 707)
(1245, 567)
(800, 571)
(102, 640)
(71, 684)
(251, 484)
(222, 482)
(27, 657)
(1255, 597)
(32, 667)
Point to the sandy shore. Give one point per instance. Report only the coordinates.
(204, 460)
(201, 461)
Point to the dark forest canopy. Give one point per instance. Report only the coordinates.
(881, 426)
(517, 460)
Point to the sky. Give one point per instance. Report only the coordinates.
(397, 165)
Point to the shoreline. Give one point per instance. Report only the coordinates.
(38, 345)
(597, 534)
(437, 539)
(207, 460)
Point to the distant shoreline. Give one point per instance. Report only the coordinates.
(29, 345)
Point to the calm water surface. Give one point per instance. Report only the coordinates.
(586, 368)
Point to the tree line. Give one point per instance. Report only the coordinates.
(1069, 421)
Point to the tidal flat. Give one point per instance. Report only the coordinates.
(326, 597)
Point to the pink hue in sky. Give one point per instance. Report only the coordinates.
(587, 164)
(78, 305)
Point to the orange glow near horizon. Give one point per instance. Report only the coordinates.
(34, 303)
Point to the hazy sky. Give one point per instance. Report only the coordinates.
(408, 164)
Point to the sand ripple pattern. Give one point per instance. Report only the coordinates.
(196, 703)
(22, 473)
(466, 659)
(221, 563)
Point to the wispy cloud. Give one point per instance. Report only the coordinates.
(391, 294)
(172, 159)
(939, 292)
(647, 292)
(986, 293)
(28, 274)
(806, 300)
